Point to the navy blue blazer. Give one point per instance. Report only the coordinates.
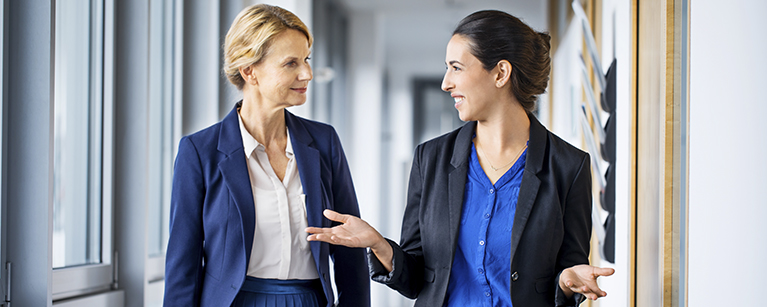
(212, 217)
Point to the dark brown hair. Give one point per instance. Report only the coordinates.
(496, 36)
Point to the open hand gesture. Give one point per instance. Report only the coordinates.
(583, 279)
(353, 232)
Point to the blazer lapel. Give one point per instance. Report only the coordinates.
(528, 190)
(457, 179)
(308, 163)
(234, 170)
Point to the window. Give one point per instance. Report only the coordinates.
(161, 119)
(82, 142)
(163, 138)
(77, 141)
(2, 149)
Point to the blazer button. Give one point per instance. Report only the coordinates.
(514, 276)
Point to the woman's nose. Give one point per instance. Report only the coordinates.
(306, 73)
(446, 84)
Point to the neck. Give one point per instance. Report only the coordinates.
(265, 123)
(505, 130)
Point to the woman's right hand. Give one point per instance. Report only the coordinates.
(353, 232)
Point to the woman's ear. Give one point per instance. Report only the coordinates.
(248, 74)
(504, 73)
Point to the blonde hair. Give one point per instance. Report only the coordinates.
(250, 35)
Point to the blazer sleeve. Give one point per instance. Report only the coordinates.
(183, 260)
(350, 265)
(577, 225)
(407, 263)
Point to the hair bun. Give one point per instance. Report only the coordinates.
(546, 38)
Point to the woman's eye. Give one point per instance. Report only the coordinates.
(456, 68)
(307, 59)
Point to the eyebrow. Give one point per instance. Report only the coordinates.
(454, 62)
(290, 58)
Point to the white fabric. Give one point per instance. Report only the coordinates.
(280, 249)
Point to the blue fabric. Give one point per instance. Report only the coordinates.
(481, 270)
(258, 292)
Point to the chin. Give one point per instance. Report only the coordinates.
(465, 117)
(298, 103)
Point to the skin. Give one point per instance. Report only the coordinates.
(503, 129)
(276, 82)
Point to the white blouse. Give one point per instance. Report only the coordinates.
(280, 249)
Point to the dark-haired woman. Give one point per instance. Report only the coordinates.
(498, 211)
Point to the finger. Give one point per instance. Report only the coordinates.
(335, 216)
(332, 239)
(569, 284)
(590, 295)
(603, 271)
(594, 289)
(320, 237)
(318, 230)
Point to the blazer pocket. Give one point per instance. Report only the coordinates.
(543, 285)
(428, 275)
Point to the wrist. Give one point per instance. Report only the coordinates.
(380, 245)
(384, 252)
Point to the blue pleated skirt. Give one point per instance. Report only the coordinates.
(258, 292)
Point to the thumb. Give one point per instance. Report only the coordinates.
(335, 216)
(603, 271)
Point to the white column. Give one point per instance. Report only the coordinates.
(727, 204)
(365, 86)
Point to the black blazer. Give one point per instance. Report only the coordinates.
(552, 224)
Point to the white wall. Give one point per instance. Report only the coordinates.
(727, 206)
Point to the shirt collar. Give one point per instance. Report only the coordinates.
(249, 143)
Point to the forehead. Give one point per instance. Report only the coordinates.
(459, 49)
(289, 42)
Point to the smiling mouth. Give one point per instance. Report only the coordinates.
(299, 90)
(458, 101)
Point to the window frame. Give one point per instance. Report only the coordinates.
(3, 98)
(164, 111)
(85, 279)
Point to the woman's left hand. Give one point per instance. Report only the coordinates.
(583, 279)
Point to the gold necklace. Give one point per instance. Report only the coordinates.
(507, 164)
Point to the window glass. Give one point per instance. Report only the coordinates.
(77, 138)
(2, 124)
(161, 109)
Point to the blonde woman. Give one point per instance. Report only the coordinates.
(245, 189)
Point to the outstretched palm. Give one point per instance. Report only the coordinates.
(353, 231)
(583, 279)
